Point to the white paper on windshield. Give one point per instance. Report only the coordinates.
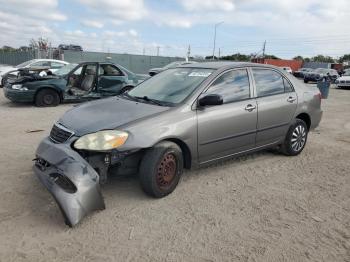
(200, 74)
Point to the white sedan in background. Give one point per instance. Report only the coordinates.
(344, 80)
(52, 64)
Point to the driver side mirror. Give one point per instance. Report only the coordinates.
(210, 100)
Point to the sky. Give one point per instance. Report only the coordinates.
(290, 27)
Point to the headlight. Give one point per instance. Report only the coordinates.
(102, 140)
(19, 87)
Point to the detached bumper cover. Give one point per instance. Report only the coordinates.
(73, 183)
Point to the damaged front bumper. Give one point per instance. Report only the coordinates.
(73, 183)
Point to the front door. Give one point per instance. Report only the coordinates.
(277, 103)
(229, 128)
(81, 84)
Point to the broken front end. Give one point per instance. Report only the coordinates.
(72, 168)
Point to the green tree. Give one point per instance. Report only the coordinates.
(299, 58)
(344, 58)
(322, 58)
(237, 57)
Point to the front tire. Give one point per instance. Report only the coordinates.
(296, 138)
(161, 169)
(47, 97)
(126, 89)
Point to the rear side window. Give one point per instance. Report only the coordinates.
(232, 86)
(287, 86)
(269, 82)
(109, 70)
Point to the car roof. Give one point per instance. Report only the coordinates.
(218, 65)
(50, 60)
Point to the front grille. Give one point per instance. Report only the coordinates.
(60, 134)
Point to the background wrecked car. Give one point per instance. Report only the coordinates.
(72, 83)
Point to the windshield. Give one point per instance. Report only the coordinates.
(321, 70)
(65, 69)
(172, 86)
(173, 65)
(25, 63)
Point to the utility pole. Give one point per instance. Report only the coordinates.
(264, 47)
(158, 50)
(215, 26)
(188, 53)
(144, 51)
(219, 53)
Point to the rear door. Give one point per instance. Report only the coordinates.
(111, 80)
(229, 128)
(276, 101)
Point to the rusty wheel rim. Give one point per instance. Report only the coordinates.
(166, 171)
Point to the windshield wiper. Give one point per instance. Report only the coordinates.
(153, 101)
(126, 95)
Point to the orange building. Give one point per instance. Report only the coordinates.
(293, 64)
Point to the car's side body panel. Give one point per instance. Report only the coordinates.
(227, 129)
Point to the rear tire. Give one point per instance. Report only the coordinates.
(161, 169)
(47, 97)
(296, 138)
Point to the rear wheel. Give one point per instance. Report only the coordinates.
(47, 97)
(296, 138)
(161, 169)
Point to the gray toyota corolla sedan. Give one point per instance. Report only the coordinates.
(181, 118)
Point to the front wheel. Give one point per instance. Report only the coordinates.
(296, 138)
(126, 89)
(47, 97)
(161, 169)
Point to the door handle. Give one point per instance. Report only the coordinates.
(250, 107)
(291, 99)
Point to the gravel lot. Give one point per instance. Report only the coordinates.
(262, 207)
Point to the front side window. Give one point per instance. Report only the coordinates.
(172, 86)
(268, 82)
(232, 86)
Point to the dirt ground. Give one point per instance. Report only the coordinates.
(261, 207)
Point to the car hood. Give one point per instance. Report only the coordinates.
(155, 69)
(342, 78)
(108, 113)
(35, 78)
